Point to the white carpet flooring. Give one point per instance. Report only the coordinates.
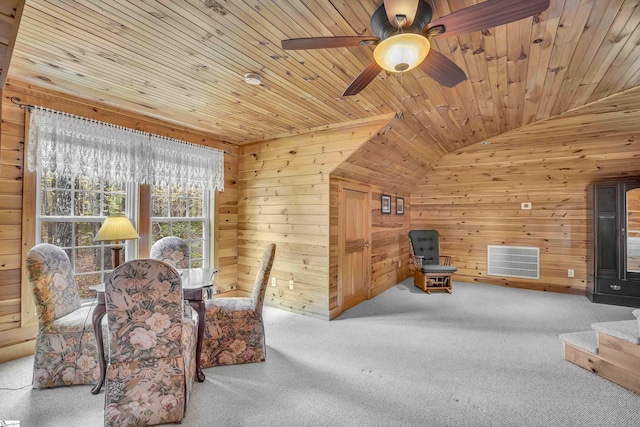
(483, 356)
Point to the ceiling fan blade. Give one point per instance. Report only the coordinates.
(442, 69)
(364, 78)
(488, 14)
(407, 8)
(327, 42)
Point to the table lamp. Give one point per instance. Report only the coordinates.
(116, 228)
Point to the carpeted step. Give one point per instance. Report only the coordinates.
(587, 340)
(625, 330)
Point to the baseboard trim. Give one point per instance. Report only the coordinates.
(17, 351)
(615, 300)
(509, 283)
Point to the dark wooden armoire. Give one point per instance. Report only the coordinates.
(613, 228)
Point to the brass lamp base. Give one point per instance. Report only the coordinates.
(116, 255)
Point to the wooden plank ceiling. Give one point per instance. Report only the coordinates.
(184, 61)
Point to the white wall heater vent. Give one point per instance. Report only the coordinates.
(513, 261)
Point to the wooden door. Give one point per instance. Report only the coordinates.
(354, 258)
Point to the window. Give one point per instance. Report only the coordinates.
(185, 214)
(70, 212)
(83, 167)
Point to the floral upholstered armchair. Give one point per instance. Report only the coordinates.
(152, 346)
(175, 252)
(172, 250)
(65, 352)
(234, 330)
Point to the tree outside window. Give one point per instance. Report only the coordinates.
(70, 213)
(182, 213)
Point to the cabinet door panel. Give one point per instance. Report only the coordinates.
(606, 198)
(607, 245)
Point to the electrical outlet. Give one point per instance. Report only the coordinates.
(399, 263)
(291, 284)
(274, 281)
(570, 272)
(525, 205)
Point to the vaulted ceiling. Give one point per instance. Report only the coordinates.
(184, 61)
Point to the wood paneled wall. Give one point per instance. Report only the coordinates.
(10, 16)
(284, 198)
(397, 158)
(14, 338)
(390, 252)
(473, 195)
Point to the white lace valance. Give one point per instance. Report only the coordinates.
(65, 145)
(173, 162)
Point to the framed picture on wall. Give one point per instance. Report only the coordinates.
(385, 203)
(399, 205)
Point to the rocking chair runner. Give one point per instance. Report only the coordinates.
(433, 272)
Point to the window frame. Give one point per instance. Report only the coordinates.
(134, 208)
(131, 194)
(206, 218)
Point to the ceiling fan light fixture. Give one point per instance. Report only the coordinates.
(401, 52)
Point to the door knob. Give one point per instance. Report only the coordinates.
(366, 244)
(615, 287)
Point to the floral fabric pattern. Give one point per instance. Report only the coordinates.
(145, 392)
(189, 340)
(233, 334)
(262, 278)
(149, 366)
(172, 250)
(65, 351)
(54, 287)
(234, 329)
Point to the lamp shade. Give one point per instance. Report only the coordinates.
(116, 228)
(401, 52)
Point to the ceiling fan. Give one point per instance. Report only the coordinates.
(403, 29)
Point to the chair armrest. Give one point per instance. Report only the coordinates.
(417, 261)
(445, 260)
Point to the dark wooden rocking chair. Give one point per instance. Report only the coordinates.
(432, 271)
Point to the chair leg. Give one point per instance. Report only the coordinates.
(447, 284)
(420, 281)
